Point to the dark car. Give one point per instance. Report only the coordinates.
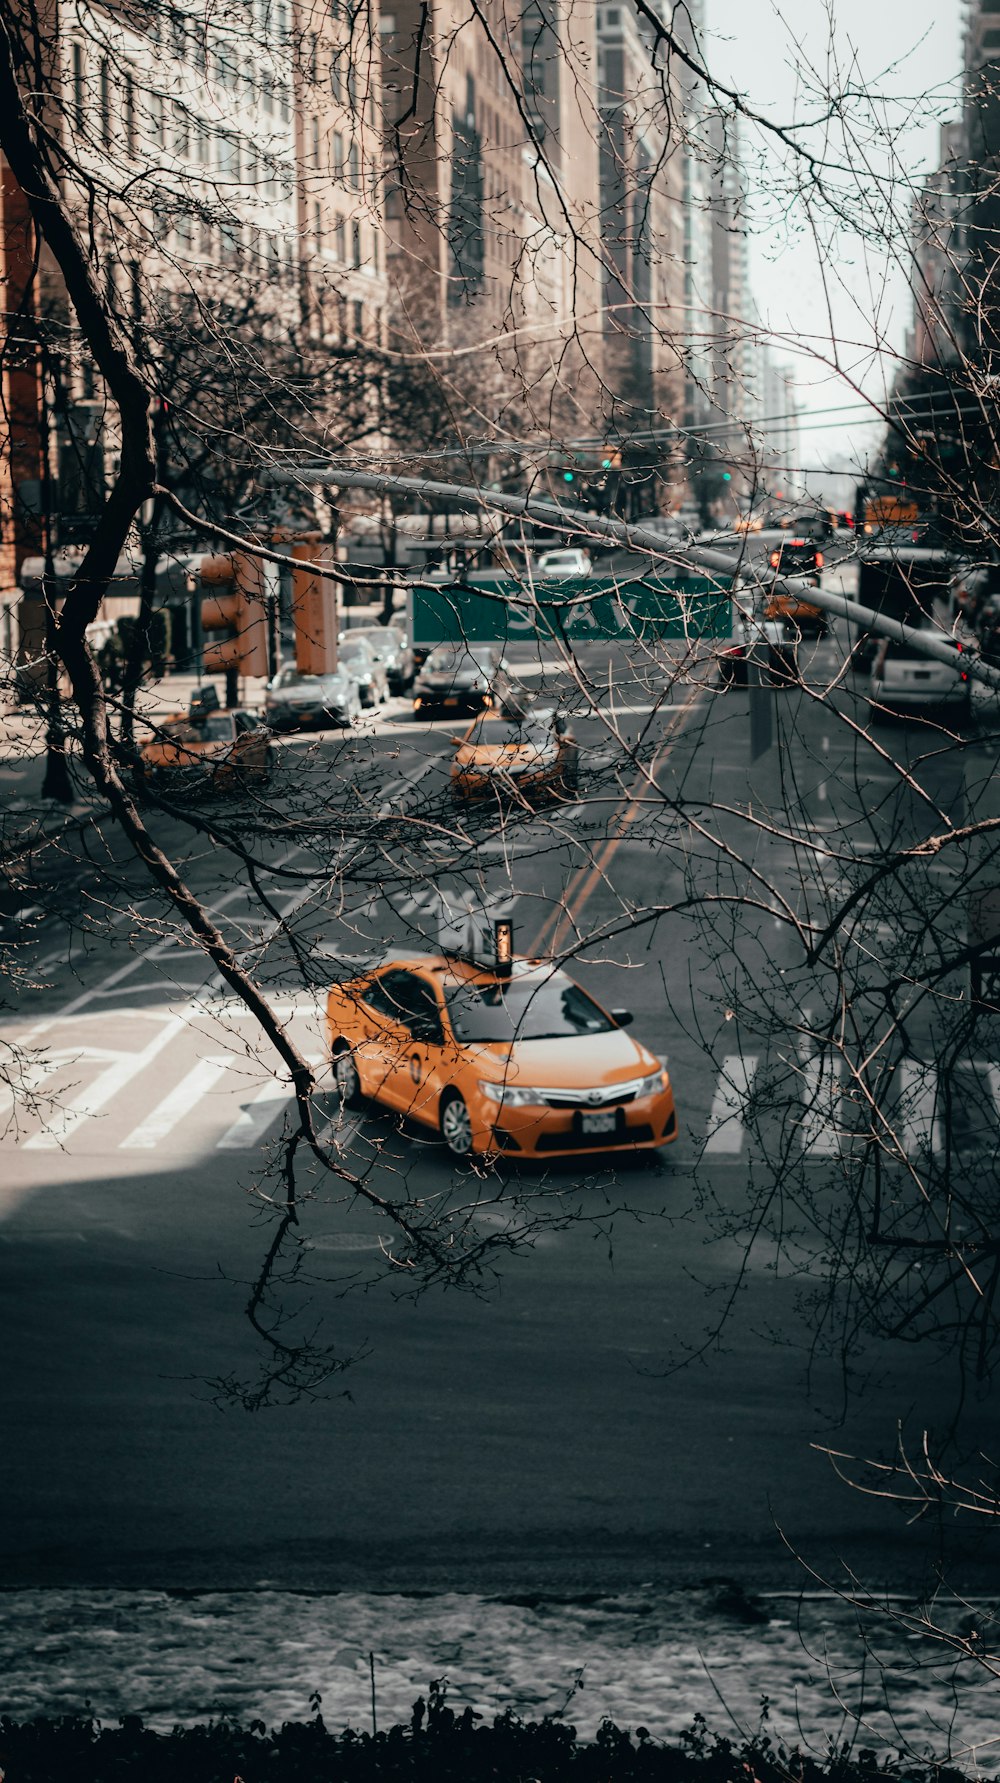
(295, 701)
(390, 649)
(464, 678)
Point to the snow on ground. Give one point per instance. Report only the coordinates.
(647, 1660)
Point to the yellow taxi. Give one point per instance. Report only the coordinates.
(223, 748)
(517, 755)
(520, 1061)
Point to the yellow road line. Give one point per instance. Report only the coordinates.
(560, 921)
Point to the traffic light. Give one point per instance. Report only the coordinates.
(314, 607)
(727, 476)
(234, 617)
(569, 476)
(613, 461)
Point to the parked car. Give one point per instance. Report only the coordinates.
(535, 752)
(769, 643)
(904, 680)
(294, 701)
(221, 750)
(391, 649)
(572, 561)
(465, 677)
(366, 669)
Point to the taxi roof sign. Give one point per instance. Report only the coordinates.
(479, 930)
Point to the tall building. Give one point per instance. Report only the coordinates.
(337, 65)
(642, 215)
(733, 332)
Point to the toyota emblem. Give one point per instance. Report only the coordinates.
(595, 1095)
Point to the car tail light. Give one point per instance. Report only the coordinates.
(819, 560)
(794, 542)
(775, 559)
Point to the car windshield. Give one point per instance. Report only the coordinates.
(380, 638)
(897, 651)
(292, 678)
(497, 733)
(356, 648)
(217, 728)
(551, 1008)
(449, 657)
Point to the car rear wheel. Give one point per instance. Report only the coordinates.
(345, 1073)
(456, 1125)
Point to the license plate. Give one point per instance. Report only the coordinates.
(606, 1122)
(451, 702)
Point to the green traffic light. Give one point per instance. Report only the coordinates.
(605, 464)
(567, 476)
(727, 476)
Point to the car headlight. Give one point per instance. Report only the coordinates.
(510, 1096)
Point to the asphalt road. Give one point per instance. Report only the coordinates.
(537, 1431)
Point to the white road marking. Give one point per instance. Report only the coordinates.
(726, 1127)
(918, 1089)
(162, 1120)
(820, 1138)
(87, 1102)
(253, 1121)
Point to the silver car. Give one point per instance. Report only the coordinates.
(903, 680)
(294, 701)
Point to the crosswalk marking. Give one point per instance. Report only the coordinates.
(167, 1114)
(725, 1121)
(822, 1076)
(109, 1082)
(918, 1088)
(253, 1121)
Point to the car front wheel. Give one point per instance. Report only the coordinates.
(346, 1077)
(456, 1125)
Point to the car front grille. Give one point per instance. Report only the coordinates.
(609, 1096)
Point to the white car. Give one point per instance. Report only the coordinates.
(570, 562)
(903, 680)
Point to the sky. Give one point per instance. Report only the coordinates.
(909, 53)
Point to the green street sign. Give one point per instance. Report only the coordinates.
(486, 609)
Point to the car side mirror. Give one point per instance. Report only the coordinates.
(560, 725)
(623, 1018)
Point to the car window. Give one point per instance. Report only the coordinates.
(289, 678)
(217, 728)
(552, 1008)
(415, 1004)
(448, 657)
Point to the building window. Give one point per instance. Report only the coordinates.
(314, 132)
(338, 155)
(178, 36)
(318, 226)
(105, 102)
(79, 88)
(340, 240)
(355, 244)
(156, 128)
(128, 114)
(336, 79)
(182, 130)
(359, 320)
(354, 168)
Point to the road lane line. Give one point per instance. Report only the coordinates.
(560, 921)
(161, 1120)
(725, 1118)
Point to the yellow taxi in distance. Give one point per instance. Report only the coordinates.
(221, 748)
(521, 1062)
(515, 755)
